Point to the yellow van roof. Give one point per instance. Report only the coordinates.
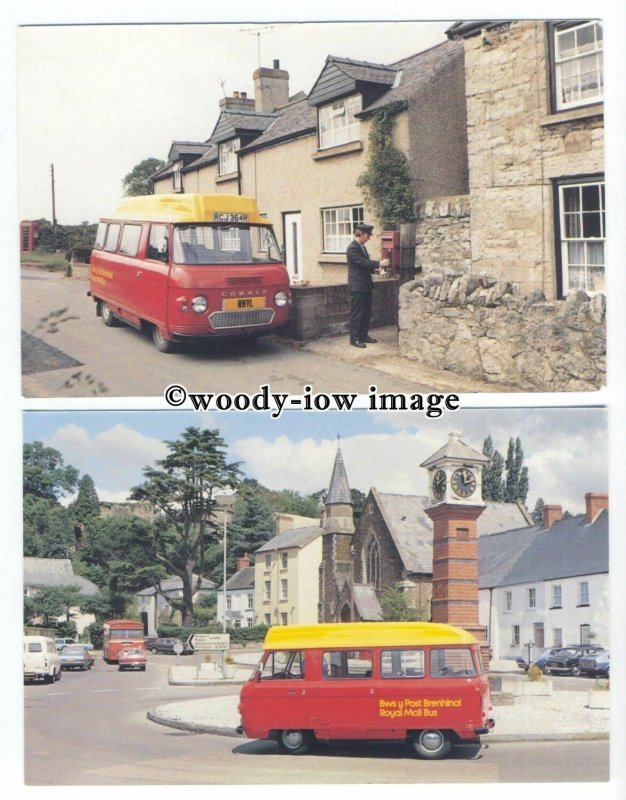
(188, 208)
(365, 634)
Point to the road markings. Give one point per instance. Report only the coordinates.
(97, 691)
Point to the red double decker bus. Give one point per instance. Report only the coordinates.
(119, 634)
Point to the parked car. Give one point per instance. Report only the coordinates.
(566, 660)
(132, 658)
(540, 661)
(73, 656)
(594, 664)
(60, 643)
(88, 648)
(166, 645)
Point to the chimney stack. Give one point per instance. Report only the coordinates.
(551, 514)
(243, 562)
(271, 88)
(596, 502)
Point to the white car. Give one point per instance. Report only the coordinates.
(41, 659)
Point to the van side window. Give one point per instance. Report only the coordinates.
(402, 664)
(100, 236)
(347, 664)
(283, 664)
(451, 662)
(113, 233)
(130, 240)
(34, 647)
(158, 246)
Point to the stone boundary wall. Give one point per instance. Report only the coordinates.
(486, 329)
(443, 234)
(318, 311)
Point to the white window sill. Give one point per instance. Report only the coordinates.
(573, 114)
(338, 150)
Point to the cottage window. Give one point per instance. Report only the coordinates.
(556, 596)
(284, 560)
(337, 122)
(557, 637)
(228, 156)
(585, 634)
(372, 566)
(578, 69)
(177, 177)
(508, 601)
(582, 235)
(250, 601)
(229, 602)
(284, 589)
(284, 618)
(583, 593)
(268, 561)
(268, 590)
(532, 598)
(515, 635)
(339, 224)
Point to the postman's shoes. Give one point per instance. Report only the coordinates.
(369, 339)
(357, 343)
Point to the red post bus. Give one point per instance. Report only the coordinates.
(415, 682)
(119, 634)
(189, 266)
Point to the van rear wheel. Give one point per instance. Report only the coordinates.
(162, 344)
(294, 741)
(431, 743)
(108, 317)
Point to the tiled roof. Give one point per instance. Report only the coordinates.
(569, 548)
(457, 450)
(366, 602)
(244, 579)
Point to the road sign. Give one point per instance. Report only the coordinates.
(178, 647)
(210, 641)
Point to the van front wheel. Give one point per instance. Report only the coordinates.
(294, 741)
(162, 344)
(431, 743)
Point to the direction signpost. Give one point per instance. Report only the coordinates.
(210, 642)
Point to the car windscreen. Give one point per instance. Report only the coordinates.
(221, 245)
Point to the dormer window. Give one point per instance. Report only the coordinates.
(337, 122)
(228, 156)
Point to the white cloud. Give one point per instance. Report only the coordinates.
(113, 458)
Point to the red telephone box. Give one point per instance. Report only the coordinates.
(29, 234)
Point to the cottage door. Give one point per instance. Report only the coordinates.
(293, 245)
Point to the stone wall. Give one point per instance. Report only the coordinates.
(318, 311)
(487, 329)
(443, 234)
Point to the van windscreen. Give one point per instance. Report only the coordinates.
(220, 244)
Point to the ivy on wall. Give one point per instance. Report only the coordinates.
(386, 182)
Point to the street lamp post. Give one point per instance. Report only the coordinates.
(224, 582)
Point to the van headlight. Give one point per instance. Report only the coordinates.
(199, 304)
(280, 299)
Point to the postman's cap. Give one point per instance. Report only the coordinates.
(364, 228)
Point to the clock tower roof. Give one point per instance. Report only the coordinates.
(455, 450)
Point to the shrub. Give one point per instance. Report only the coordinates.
(534, 673)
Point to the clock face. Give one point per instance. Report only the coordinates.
(439, 484)
(463, 482)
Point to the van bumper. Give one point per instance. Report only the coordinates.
(491, 723)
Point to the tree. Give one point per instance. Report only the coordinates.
(86, 507)
(516, 483)
(47, 528)
(45, 474)
(138, 181)
(182, 492)
(537, 513)
(54, 601)
(253, 523)
(396, 608)
(492, 472)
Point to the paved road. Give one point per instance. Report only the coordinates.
(91, 729)
(89, 359)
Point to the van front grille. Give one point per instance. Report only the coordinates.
(241, 319)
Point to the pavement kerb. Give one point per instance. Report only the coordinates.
(581, 736)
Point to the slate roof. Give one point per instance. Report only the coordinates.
(338, 489)
(40, 573)
(411, 528)
(366, 602)
(456, 449)
(298, 537)
(569, 548)
(341, 76)
(244, 579)
(232, 123)
(292, 121)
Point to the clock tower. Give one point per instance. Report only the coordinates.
(455, 504)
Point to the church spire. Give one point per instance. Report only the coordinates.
(339, 488)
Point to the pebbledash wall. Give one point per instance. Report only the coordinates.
(478, 325)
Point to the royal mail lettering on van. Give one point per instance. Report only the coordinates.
(223, 216)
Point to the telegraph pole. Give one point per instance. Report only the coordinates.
(54, 215)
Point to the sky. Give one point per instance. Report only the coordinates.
(566, 452)
(97, 100)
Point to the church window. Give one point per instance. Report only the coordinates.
(373, 563)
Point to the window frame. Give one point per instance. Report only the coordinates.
(337, 242)
(531, 597)
(561, 241)
(331, 135)
(227, 156)
(583, 594)
(556, 29)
